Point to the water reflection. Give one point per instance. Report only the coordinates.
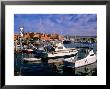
(51, 69)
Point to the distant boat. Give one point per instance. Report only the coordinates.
(87, 42)
(80, 60)
(66, 42)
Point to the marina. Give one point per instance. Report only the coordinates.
(61, 50)
(58, 63)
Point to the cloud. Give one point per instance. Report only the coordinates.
(73, 24)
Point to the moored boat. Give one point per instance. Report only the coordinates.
(81, 60)
(40, 54)
(31, 59)
(66, 42)
(61, 51)
(27, 51)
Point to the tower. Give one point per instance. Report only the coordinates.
(21, 38)
(21, 31)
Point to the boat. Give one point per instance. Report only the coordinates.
(27, 51)
(61, 52)
(40, 53)
(31, 59)
(79, 60)
(66, 42)
(60, 47)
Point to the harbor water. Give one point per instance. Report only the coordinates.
(45, 69)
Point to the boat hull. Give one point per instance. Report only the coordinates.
(31, 59)
(61, 54)
(82, 62)
(85, 61)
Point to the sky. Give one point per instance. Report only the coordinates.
(65, 24)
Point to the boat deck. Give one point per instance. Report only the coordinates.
(62, 54)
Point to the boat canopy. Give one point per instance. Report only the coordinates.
(82, 53)
(59, 47)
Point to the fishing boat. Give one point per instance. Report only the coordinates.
(83, 57)
(61, 51)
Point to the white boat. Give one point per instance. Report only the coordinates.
(61, 54)
(60, 47)
(91, 58)
(71, 59)
(31, 59)
(17, 47)
(76, 62)
(61, 51)
(27, 51)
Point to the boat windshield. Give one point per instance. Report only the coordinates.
(82, 53)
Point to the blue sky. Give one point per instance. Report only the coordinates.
(66, 24)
